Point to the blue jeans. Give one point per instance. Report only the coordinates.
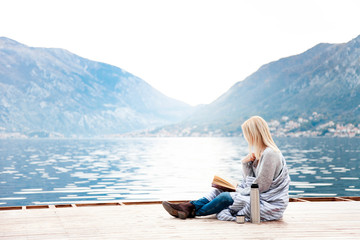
(205, 207)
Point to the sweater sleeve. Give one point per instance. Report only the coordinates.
(247, 169)
(267, 169)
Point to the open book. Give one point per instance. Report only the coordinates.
(222, 184)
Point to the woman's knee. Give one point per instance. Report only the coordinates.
(226, 197)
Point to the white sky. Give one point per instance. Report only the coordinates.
(193, 50)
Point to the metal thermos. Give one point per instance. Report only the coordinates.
(255, 203)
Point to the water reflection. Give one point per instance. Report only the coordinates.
(72, 171)
(323, 166)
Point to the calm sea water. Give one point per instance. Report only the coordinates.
(139, 169)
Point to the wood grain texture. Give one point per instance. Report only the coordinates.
(302, 220)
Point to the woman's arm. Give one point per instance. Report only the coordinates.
(267, 169)
(246, 165)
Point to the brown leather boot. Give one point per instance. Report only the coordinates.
(182, 210)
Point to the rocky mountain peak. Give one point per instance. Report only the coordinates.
(52, 91)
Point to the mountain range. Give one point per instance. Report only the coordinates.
(52, 92)
(324, 80)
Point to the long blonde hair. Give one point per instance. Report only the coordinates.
(257, 134)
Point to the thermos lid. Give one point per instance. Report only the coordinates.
(254, 185)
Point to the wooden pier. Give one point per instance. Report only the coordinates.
(318, 218)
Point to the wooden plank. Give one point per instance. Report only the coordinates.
(353, 198)
(344, 199)
(298, 200)
(96, 204)
(63, 205)
(11, 208)
(323, 199)
(302, 220)
(37, 206)
(144, 203)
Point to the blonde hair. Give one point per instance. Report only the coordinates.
(257, 134)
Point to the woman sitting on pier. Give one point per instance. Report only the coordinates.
(264, 165)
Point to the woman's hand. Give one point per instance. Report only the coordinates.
(249, 158)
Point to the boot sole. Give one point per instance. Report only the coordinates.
(182, 215)
(170, 210)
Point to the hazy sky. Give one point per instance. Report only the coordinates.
(193, 51)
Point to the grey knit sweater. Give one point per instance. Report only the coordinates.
(264, 170)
